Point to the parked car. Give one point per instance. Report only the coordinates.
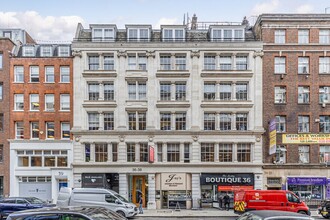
(324, 209)
(96, 197)
(282, 200)
(273, 215)
(67, 213)
(14, 204)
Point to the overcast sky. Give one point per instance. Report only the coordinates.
(56, 20)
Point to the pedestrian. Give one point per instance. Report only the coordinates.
(220, 201)
(140, 205)
(226, 200)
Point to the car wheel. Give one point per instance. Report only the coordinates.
(302, 212)
(121, 213)
(324, 216)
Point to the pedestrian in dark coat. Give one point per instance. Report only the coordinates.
(226, 200)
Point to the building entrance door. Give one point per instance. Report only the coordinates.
(139, 188)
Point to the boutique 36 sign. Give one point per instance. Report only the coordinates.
(227, 179)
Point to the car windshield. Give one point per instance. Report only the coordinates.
(121, 198)
(34, 200)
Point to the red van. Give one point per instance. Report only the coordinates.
(269, 200)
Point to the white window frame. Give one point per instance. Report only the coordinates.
(65, 127)
(324, 65)
(49, 99)
(65, 102)
(280, 94)
(46, 51)
(324, 36)
(324, 124)
(34, 101)
(304, 154)
(324, 94)
(48, 128)
(303, 36)
(216, 34)
(63, 51)
(34, 74)
(324, 154)
(18, 130)
(34, 129)
(106, 34)
(19, 74)
(303, 65)
(279, 36)
(280, 65)
(108, 62)
(303, 94)
(28, 51)
(19, 101)
(303, 123)
(138, 37)
(64, 74)
(49, 73)
(280, 123)
(137, 90)
(171, 35)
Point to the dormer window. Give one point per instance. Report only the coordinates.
(170, 35)
(63, 51)
(103, 34)
(227, 34)
(28, 51)
(46, 51)
(138, 34)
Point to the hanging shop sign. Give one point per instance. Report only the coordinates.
(151, 154)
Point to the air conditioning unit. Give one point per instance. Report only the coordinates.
(323, 104)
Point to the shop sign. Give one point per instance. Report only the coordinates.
(272, 136)
(227, 179)
(305, 138)
(307, 180)
(93, 180)
(173, 181)
(151, 154)
(234, 188)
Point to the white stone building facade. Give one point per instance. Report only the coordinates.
(174, 114)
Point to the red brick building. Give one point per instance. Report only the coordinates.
(41, 119)
(6, 46)
(296, 94)
(8, 39)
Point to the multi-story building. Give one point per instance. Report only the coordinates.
(173, 114)
(296, 85)
(40, 120)
(8, 39)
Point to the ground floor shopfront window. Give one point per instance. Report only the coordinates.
(308, 188)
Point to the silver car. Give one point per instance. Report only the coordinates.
(273, 215)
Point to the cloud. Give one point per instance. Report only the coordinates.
(42, 28)
(166, 21)
(305, 9)
(265, 7)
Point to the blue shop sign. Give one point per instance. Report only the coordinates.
(307, 180)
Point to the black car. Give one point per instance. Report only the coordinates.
(67, 213)
(324, 209)
(14, 204)
(273, 215)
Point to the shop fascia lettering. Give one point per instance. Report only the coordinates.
(223, 179)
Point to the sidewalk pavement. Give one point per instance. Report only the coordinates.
(204, 212)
